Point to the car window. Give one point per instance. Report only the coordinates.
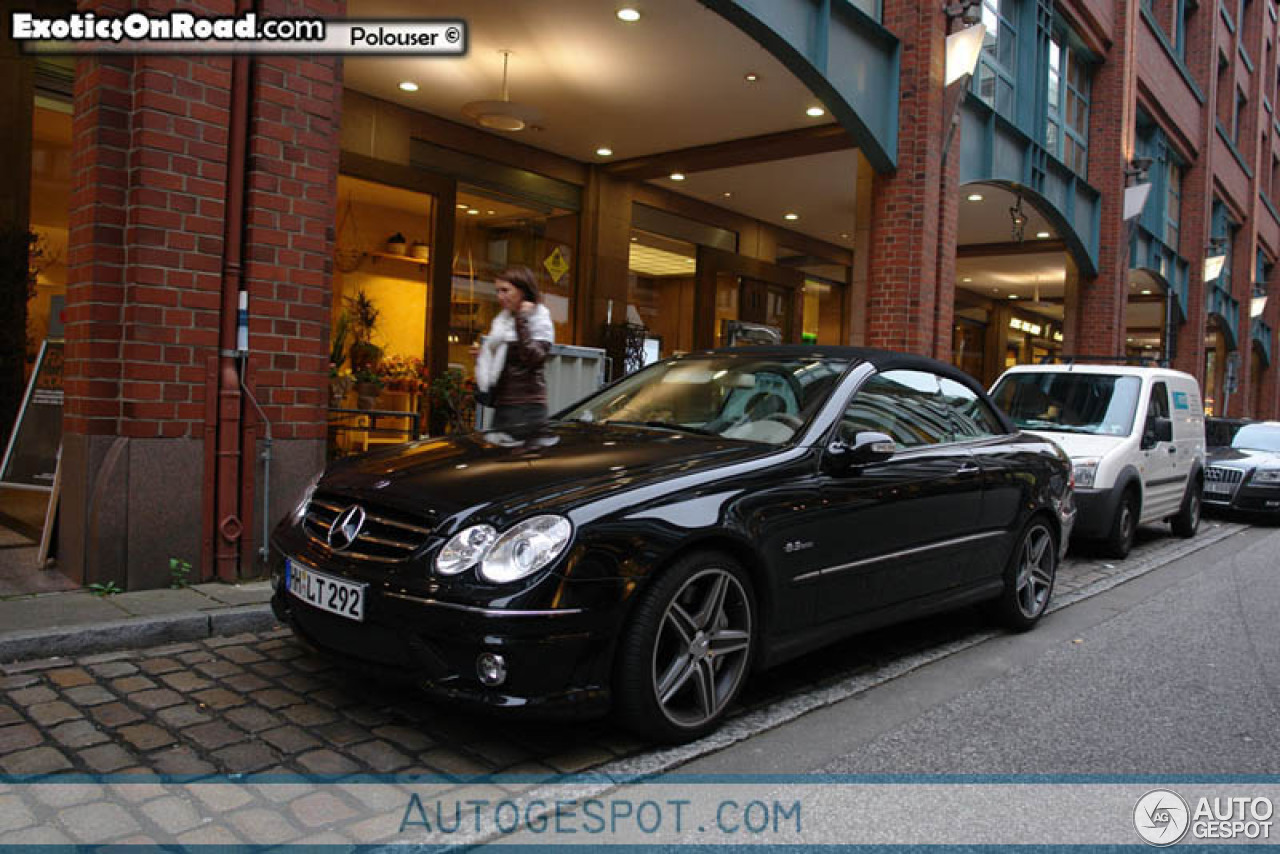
(971, 416)
(903, 405)
(1258, 437)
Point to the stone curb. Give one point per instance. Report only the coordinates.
(133, 632)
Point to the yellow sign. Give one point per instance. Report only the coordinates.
(556, 265)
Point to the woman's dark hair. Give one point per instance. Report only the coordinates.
(524, 279)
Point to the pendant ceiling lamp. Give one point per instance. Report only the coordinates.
(505, 115)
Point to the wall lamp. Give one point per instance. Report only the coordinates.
(963, 48)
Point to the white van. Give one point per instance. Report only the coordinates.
(1134, 434)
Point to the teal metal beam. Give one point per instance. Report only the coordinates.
(841, 53)
(1262, 335)
(994, 151)
(1148, 252)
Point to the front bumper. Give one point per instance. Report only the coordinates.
(1095, 512)
(1249, 497)
(558, 661)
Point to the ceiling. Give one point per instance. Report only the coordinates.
(639, 89)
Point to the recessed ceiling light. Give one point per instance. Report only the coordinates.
(975, 197)
(727, 194)
(462, 206)
(1042, 234)
(1013, 296)
(791, 216)
(604, 151)
(635, 239)
(628, 14)
(844, 235)
(1130, 340)
(472, 211)
(677, 176)
(751, 77)
(815, 112)
(408, 86)
(1146, 292)
(967, 279)
(490, 213)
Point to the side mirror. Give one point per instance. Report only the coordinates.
(863, 448)
(1158, 430)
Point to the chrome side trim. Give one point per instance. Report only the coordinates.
(487, 612)
(831, 570)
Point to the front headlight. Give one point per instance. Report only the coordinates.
(526, 548)
(465, 549)
(1266, 476)
(1085, 471)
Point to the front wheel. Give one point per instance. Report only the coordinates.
(1124, 527)
(1187, 522)
(686, 649)
(1028, 577)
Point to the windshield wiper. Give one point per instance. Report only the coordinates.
(667, 425)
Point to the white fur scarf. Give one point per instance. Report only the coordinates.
(493, 350)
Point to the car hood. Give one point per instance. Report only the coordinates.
(562, 465)
(1243, 458)
(1080, 446)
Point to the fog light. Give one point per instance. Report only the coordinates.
(492, 669)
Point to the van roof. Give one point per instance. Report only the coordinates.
(1110, 370)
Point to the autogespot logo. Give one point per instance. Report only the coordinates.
(1161, 817)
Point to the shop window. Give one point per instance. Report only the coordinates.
(994, 82)
(660, 292)
(495, 232)
(1067, 128)
(49, 216)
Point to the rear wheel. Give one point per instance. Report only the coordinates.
(1028, 577)
(687, 648)
(1125, 526)
(1187, 522)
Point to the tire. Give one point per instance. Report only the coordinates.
(686, 649)
(1029, 577)
(1124, 527)
(1187, 522)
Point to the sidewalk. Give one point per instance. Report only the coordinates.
(76, 622)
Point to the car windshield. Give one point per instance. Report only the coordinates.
(752, 398)
(1102, 404)
(1258, 437)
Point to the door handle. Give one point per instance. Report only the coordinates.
(967, 469)
(1173, 450)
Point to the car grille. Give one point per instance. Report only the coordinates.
(386, 536)
(1227, 481)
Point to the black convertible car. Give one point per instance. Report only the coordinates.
(1246, 475)
(710, 515)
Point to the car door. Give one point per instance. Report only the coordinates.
(898, 528)
(1163, 479)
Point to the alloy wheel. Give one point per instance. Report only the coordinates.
(702, 648)
(1035, 572)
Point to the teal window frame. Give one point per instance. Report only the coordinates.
(1069, 87)
(995, 81)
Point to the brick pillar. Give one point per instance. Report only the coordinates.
(146, 255)
(1097, 327)
(948, 228)
(903, 245)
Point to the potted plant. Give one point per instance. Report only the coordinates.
(340, 381)
(368, 386)
(455, 396)
(364, 354)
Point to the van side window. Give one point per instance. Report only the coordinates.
(901, 404)
(1159, 406)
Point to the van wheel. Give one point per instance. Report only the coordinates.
(1187, 522)
(686, 651)
(1028, 578)
(1120, 541)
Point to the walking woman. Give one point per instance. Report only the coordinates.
(509, 363)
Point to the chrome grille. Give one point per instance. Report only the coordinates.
(1221, 483)
(387, 536)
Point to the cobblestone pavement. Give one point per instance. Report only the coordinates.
(263, 703)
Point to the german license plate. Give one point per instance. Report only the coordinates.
(1218, 488)
(324, 591)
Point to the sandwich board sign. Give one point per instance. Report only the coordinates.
(31, 457)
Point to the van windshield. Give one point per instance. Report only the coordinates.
(1069, 402)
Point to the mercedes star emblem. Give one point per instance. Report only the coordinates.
(346, 527)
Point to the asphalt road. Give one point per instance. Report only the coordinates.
(1176, 672)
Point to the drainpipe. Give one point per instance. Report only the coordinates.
(227, 482)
